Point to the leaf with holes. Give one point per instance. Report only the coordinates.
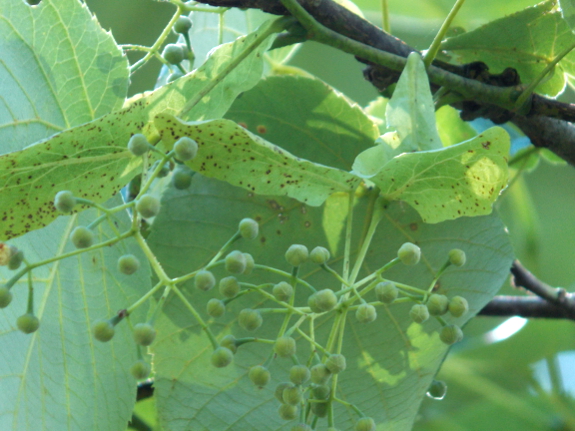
(390, 362)
(96, 152)
(526, 41)
(229, 152)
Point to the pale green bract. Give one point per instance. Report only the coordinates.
(92, 160)
(229, 152)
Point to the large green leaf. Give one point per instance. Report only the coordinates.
(390, 362)
(526, 41)
(59, 69)
(229, 152)
(460, 180)
(334, 130)
(96, 152)
(60, 377)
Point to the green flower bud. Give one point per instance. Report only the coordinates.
(292, 395)
(282, 291)
(419, 313)
(185, 149)
(364, 424)
(229, 342)
(103, 330)
(409, 253)
(249, 228)
(16, 260)
(335, 363)
(222, 357)
(458, 306)
(278, 393)
(325, 300)
(204, 280)
(148, 206)
(140, 370)
(457, 257)
(183, 25)
(5, 297)
(386, 292)
(138, 145)
(144, 334)
(28, 323)
(320, 374)
(299, 374)
(250, 263)
(285, 347)
(215, 308)
(173, 53)
(319, 409)
(320, 392)
(229, 287)
(312, 303)
(235, 262)
(259, 375)
(451, 334)
(287, 412)
(65, 201)
(250, 319)
(366, 313)
(128, 264)
(437, 304)
(319, 255)
(297, 254)
(82, 237)
(182, 178)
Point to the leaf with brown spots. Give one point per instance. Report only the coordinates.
(231, 153)
(460, 180)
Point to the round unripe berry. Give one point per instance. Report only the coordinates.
(28, 323)
(128, 264)
(82, 237)
(144, 334)
(279, 390)
(409, 254)
(229, 287)
(297, 254)
(364, 424)
(183, 25)
(419, 313)
(458, 306)
(451, 334)
(292, 395)
(437, 304)
(182, 179)
(320, 375)
(65, 201)
(140, 370)
(138, 145)
(5, 297)
(185, 149)
(325, 300)
(319, 255)
(437, 390)
(204, 280)
(16, 260)
(287, 412)
(320, 392)
(250, 319)
(103, 330)
(319, 409)
(285, 347)
(235, 262)
(366, 313)
(336, 363)
(173, 53)
(457, 257)
(222, 357)
(250, 263)
(312, 303)
(299, 374)
(229, 342)
(215, 308)
(249, 228)
(282, 291)
(259, 375)
(386, 292)
(148, 206)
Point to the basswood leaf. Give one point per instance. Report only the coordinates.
(411, 112)
(92, 160)
(390, 362)
(568, 12)
(526, 41)
(60, 377)
(231, 153)
(460, 180)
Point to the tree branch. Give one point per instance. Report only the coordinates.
(494, 96)
(524, 306)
